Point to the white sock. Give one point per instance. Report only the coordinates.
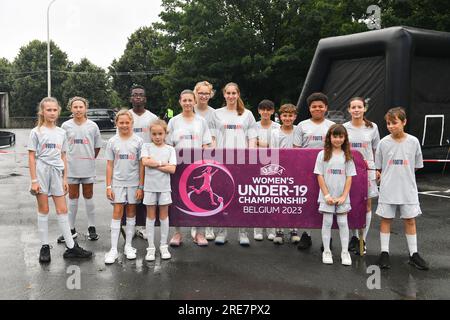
(412, 243)
(327, 223)
(115, 232)
(164, 231)
(368, 220)
(343, 231)
(384, 239)
(90, 207)
(43, 228)
(63, 221)
(150, 227)
(129, 230)
(73, 209)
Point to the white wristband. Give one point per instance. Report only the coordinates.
(327, 196)
(160, 163)
(34, 181)
(108, 187)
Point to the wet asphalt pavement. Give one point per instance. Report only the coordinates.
(261, 271)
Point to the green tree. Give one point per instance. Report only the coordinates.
(90, 81)
(5, 74)
(31, 65)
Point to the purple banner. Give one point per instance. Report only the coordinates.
(256, 188)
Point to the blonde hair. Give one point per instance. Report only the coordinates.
(158, 122)
(73, 99)
(124, 112)
(40, 111)
(240, 103)
(206, 84)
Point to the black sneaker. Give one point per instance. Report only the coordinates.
(383, 260)
(92, 234)
(331, 245)
(305, 242)
(417, 261)
(74, 236)
(353, 245)
(44, 254)
(77, 252)
(357, 248)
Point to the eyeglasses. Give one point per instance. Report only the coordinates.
(203, 94)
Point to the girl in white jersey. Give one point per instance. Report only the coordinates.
(124, 182)
(397, 157)
(160, 161)
(47, 162)
(204, 91)
(84, 143)
(334, 169)
(186, 131)
(364, 137)
(233, 127)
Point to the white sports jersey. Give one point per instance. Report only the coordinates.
(311, 135)
(265, 134)
(398, 161)
(280, 139)
(207, 115)
(48, 145)
(82, 140)
(231, 130)
(156, 180)
(364, 140)
(188, 134)
(141, 124)
(126, 155)
(335, 171)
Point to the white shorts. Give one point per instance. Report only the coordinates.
(50, 180)
(125, 195)
(157, 198)
(326, 208)
(407, 211)
(80, 180)
(372, 191)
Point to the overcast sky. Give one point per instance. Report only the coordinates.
(95, 29)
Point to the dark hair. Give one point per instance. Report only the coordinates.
(397, 112)
(336, 130)
(266, 104)
(317, 96)
(368, 123)
(136, 86)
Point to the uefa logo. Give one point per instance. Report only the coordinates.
(206, 188)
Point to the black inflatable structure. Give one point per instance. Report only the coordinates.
(398, 66)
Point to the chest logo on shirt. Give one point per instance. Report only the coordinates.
(125, 156)
(233, 126)
(315, 138)
(188, 137)
(398, 162)
(51, 146)
(140, 130)
(339, 172)
(79, 141)
(359, 145)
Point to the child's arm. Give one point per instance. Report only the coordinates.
(35, 188)
(149, 162)
(324, 189)
(140, 190)
(343, 197)
(252, 143)
(65, 184)
(168, 168)
(109, 173)
(97, 151)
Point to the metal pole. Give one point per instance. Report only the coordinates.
(49, 81)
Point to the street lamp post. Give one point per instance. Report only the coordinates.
(49, 81)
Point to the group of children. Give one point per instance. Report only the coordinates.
(141, 157)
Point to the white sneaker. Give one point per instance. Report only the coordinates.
(150, 256)
(111, 256)
(221, 237)
(279, 237)
(243, 239)
(141, 232)
(346, 259)
(270, 234)
(193, 232)
(258, 234)
(209, 233)
(327, 257)
(129, 252)
(165, 254)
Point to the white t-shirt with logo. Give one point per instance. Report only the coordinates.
(281, 139)
(265, 134)
(231, 130)
(141, 124)
(311, 135)
(48, 145)
(82, 140)
(207, 114)
(156, 180)
(188, 134)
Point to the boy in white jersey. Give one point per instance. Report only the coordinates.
(311, 133)
(264, 128)
(84, 143)
(124, 182)
(398, 156)
(47, 146)
(364, 137)
(141, 125)
(160, 161)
